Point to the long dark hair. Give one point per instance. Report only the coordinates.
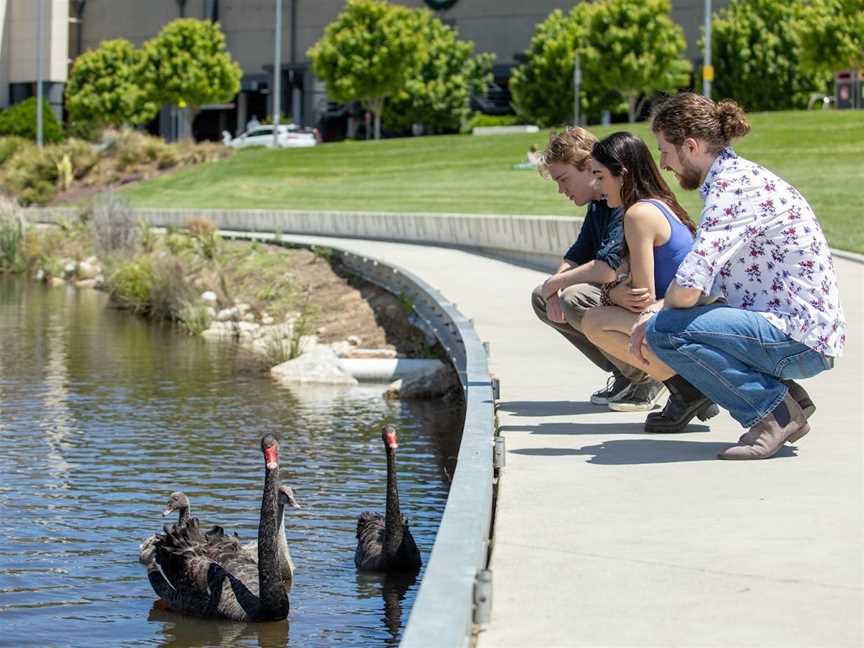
(626, 156)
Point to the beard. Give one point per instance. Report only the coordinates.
(690, 178)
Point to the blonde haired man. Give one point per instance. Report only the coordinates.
(591, 261)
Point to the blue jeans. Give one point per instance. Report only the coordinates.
(733, 356)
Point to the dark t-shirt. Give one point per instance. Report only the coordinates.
(601, 236)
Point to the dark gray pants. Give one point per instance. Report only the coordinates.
(575, 300)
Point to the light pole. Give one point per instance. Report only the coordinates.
(277, 75)
(577, 87)
(707, 68)
(39, 48)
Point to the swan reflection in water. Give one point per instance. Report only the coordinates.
(181, 631)
(392, 588)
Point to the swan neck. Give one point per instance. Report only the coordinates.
(393, 516)
(273, 597)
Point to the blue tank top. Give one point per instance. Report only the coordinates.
(668, 257)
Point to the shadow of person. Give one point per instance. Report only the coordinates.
(655, 451)
(550, 408)
(392, 588)
(589, 428)
(188, 632)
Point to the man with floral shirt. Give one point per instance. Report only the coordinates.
(761, 250)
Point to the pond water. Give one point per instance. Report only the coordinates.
(103, 415)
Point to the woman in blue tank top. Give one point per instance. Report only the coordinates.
(658, 234)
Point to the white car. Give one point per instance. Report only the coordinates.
(290, 136)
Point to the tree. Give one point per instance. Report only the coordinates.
(638, 49)
(756, 52)
(367, 54)
(832, 35)
(439, 91)
(104, 87)
(186, 64)
(542, 87)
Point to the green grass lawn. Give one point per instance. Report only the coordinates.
(820, 153)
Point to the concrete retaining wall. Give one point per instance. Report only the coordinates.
(537, 241)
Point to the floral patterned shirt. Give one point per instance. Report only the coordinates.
(760, 246)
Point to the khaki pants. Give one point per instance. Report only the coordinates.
(575, 300)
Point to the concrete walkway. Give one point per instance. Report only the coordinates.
(606, 536)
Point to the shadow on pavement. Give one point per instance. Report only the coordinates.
(592, 428)
(645, 451)
(550, 408)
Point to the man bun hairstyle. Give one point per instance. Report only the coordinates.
(733, 121)
(570, 146)
(687, 114)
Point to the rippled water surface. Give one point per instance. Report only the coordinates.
(102, 415)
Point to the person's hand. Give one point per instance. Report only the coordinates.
(553, 309)
(551, 286)
(633, 299)
(637, 335)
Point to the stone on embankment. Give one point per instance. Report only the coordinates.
(426, 386)
(319, 364)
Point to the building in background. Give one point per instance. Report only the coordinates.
(18, 52)
(504, 27)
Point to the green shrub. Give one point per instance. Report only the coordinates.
(479, 120)
(20, 120)
(11, 238)
(31, 176)
(195, 318)
(205, 236)
(9, 146)
(89, 131)
(169, 291)
(131, 284)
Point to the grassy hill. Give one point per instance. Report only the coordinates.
(820, 153)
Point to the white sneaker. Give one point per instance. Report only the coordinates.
(615, 386)
(639, 397)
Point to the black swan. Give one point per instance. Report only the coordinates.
(385, 544)
(180, 503)
(211, 575)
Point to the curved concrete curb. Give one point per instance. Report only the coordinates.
(443, 613)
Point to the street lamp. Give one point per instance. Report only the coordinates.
(707, 68)
(39, 47)
(277, 75)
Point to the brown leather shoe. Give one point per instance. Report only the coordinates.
(770, 433)
(804, 401)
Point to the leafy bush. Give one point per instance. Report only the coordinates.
(105, 86)
(195, 318)
(169, 291)
(20, 120)
(11, 237)
(9, 146)
(756, 49)
(31, 176)
(205, 236)
(479, 120)
(437, 93)
(130, 285)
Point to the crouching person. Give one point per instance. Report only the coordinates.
(658, 235)
(592, 260)
(760, 247)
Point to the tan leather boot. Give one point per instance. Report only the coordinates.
(804, 401)
(770, 435)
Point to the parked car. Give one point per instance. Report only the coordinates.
(289, 136)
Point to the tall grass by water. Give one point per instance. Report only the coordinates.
(821, 153)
